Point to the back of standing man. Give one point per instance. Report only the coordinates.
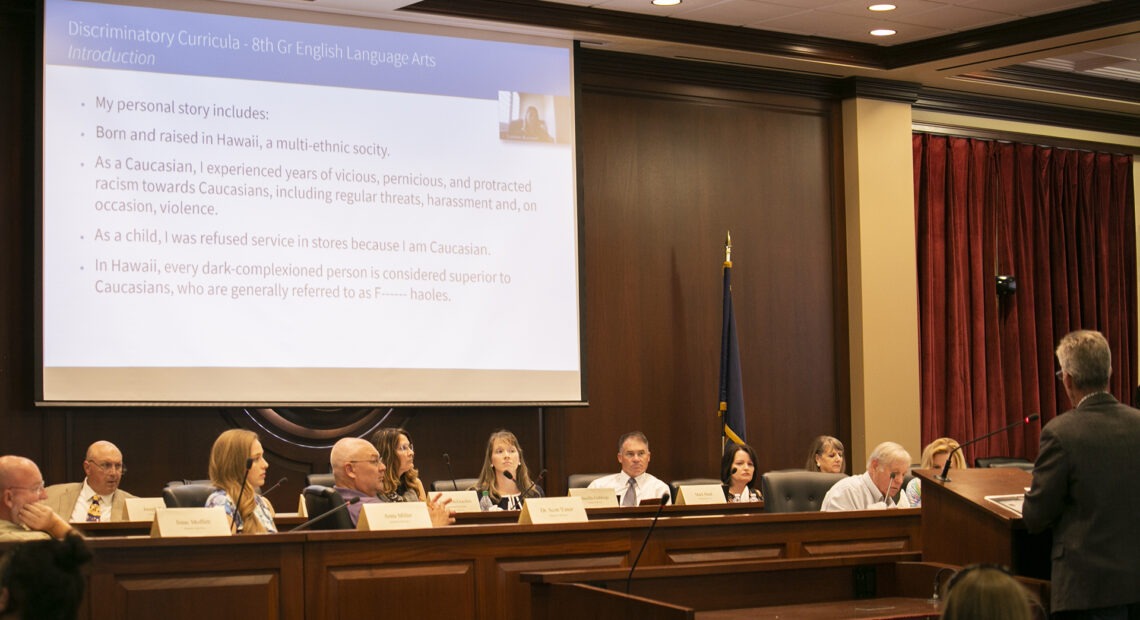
(1084, 488)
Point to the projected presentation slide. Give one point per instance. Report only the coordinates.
(264, 210)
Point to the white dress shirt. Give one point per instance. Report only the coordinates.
(859, 493)
(79, 513)
(648, 486)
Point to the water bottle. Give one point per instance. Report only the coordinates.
(485, 501)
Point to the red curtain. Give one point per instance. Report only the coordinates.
(1062, 223)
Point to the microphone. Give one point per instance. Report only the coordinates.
(656, 515)
(447, 460)
(945, 476)
(274, 487)
(326, 493)
(534, 484)
(244, 482)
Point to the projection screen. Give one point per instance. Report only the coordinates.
(288, 207)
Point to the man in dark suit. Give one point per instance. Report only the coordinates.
(1084, 487)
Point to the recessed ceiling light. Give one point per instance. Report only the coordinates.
(666, 2)
(882, 32)
(881, 7)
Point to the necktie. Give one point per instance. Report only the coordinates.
(95, 511)
(630, 497)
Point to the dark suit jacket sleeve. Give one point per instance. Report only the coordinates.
(1046, 496)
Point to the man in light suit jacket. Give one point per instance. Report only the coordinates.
(98, 497)
(1084, 487)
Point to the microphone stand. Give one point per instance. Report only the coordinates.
(656, 515)
(326, 513)
(447, 460)
(945, 475)
(237, 504)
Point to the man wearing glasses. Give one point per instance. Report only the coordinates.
(358, 472)
(23, 515)
(98, 498)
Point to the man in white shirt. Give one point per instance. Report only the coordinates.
(633, 484)
(886, 468)
(98, 498)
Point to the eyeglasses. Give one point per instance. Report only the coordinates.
(374, 460)
(406, 448)
(109, 467)
(39, 488)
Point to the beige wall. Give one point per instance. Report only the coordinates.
(882, 284)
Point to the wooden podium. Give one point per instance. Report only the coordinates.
(960, 526)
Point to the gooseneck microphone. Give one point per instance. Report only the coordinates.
(945, 476)
(244, 482)
(447, 461)
(326, 493)
(541, 475)
(656, 515)
(274, 487)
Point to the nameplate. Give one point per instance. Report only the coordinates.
(182, 522)
(393, 516)
(302, 508)
(143, 508)
(540, 510)
(596, 498)
(696, 494)
(461, 501)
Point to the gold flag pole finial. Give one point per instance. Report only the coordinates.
(728, 249)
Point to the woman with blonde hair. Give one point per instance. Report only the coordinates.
(934, 456)
(505, 477)
(400, 481)
(237, 468)
(986, 591)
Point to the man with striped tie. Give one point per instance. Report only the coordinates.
(98, 497)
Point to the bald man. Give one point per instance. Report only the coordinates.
(358, 471)
(23, 516)
(98, 498)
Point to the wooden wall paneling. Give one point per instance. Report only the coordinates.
(416, 590)
(257, 577)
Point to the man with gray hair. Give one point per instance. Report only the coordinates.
(872, 490)
(1083, 489)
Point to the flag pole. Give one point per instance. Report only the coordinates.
(723, 403)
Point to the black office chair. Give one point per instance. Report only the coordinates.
(1004, 461)
(676, 485)
(187, 495)
(449, 484)
(320, 499)
(184, 481)
(581, 481)
(796, 490)
(324, 480)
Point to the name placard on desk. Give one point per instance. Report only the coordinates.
(461, 501)
(596, 498)
(393, 516)
(143, 508)
(183, 522)
(539, 510)
(695, 494)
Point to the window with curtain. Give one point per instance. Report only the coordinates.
(1062, 222)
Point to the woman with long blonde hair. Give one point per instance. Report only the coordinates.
(238, 468)
(401, 481)
(505, 476)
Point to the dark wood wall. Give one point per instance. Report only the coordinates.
(672, 155)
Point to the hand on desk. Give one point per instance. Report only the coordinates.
(439, 512)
